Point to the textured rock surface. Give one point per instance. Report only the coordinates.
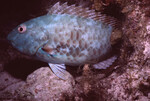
(41, 85)
(127, 80)
(8, 86)
(46, 85)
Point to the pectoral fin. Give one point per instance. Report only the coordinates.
(48, 49)
(55, 51)
(59, 70)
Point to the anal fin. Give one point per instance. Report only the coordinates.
(59, 70)
(106, 63)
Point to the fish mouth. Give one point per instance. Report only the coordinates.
(11, 38)
(10, 42)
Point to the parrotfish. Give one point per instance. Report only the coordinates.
(66, 35)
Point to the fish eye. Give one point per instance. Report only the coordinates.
(22, 28)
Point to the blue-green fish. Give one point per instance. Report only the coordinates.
(70, 35)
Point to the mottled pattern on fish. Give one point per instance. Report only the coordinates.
(77, 41)
(71, 36)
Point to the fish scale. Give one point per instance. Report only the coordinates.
(66, 36)
(75, 37)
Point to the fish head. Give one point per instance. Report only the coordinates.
(28, 36)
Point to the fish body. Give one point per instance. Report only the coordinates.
(60, 38)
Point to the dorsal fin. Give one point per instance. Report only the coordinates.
(82, 12)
